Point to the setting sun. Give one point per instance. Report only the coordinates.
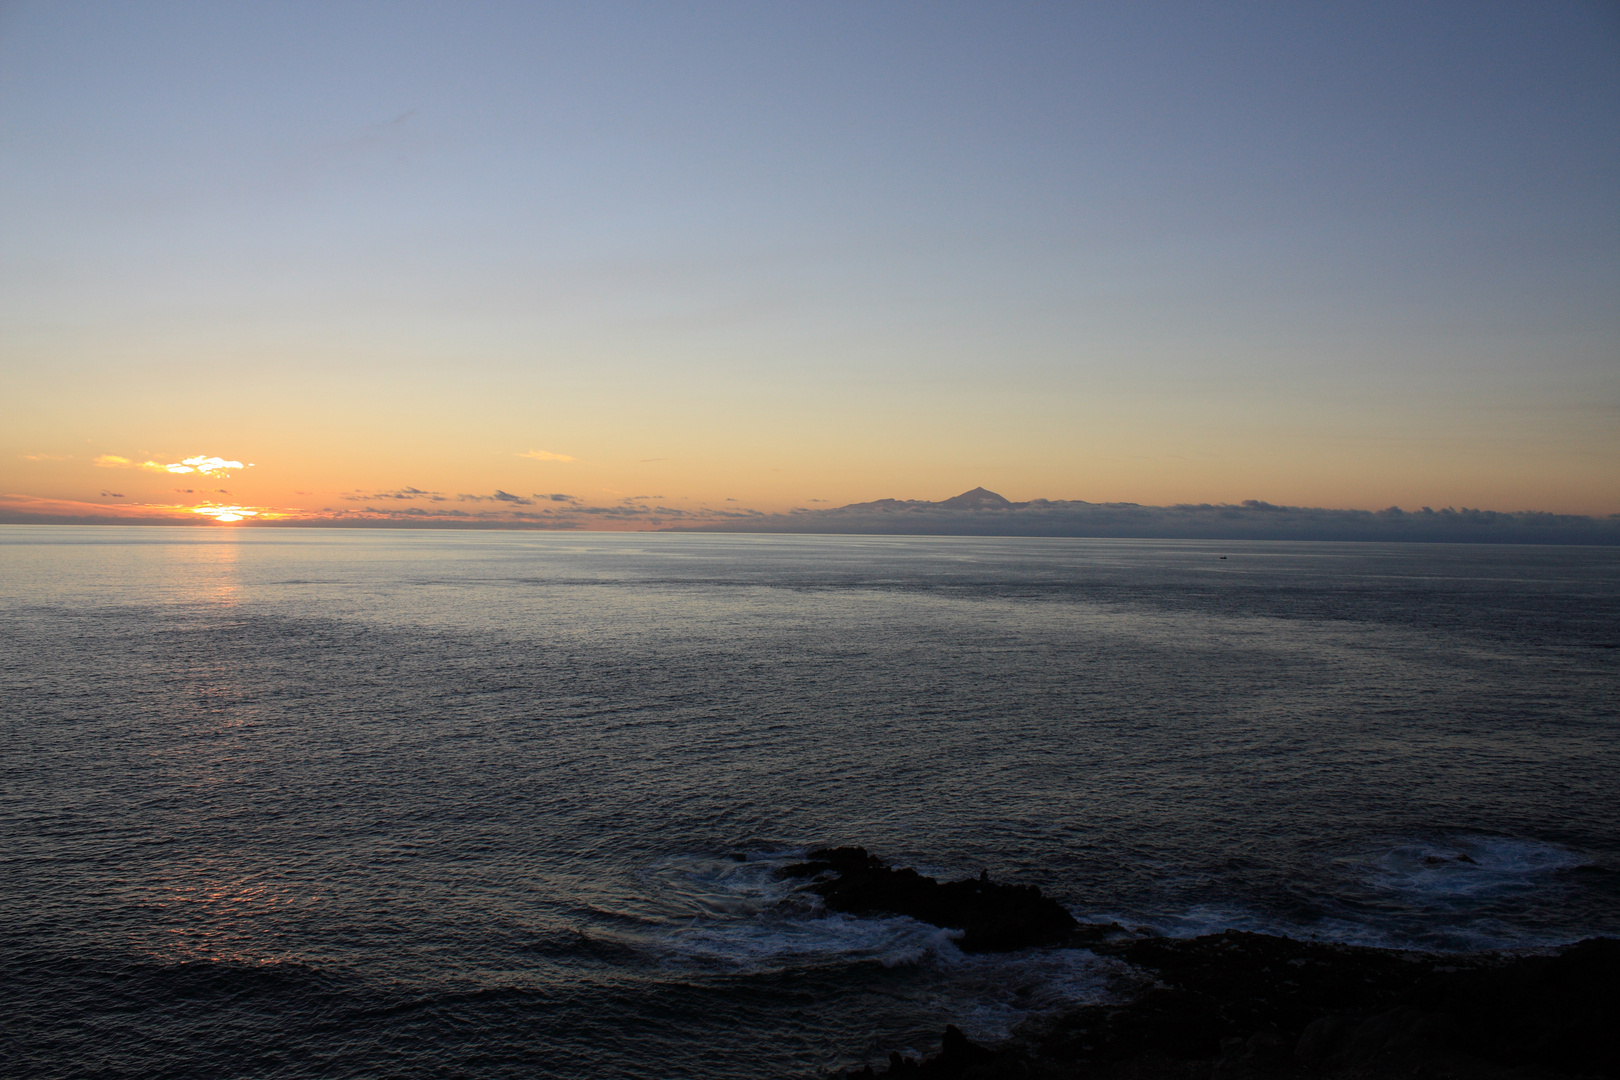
(226, 513)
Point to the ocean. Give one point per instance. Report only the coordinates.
(334, 803)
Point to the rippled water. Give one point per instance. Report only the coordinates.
(332, 803)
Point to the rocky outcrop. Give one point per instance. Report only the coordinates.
(993, 917)
(1243, 1006)
(1239, 1006)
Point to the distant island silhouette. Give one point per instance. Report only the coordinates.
(981, 512)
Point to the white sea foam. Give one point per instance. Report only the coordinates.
(991, 994)
(742, 918)
(1458, 893)
(736, 912)
(766, 942)
(1466, 870)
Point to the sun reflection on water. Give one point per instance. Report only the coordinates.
(210, 573)
(203, 918)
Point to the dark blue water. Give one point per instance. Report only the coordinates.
(326, 803)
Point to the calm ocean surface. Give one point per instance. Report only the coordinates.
(334, 803)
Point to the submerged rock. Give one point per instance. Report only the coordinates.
(993, 917)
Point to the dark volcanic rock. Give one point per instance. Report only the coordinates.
(1561, 1012)
(993, 917)
(959, 1058)
(1238, 1005)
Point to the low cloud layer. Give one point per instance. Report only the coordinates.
(499, 496)
(405, 493)
(973, 513)
(984, 513)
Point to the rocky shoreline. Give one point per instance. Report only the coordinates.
(1238, 1005)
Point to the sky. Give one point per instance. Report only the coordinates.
(629, 262)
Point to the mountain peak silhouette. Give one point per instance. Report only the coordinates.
(977, 499)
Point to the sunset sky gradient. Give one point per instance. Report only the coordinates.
(514, 258)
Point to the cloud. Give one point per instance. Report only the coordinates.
(28, 509)
(202, 463)
(112, 494)
(499, 496)
(45, 457)
(546, 455)
(372, 134)
(414, 512)
(402, 493)
(557, 511)
(632, 511)
(205, 464)
(503, 516)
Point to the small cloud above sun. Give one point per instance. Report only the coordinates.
(546, 455)
(202, 463)
(206, 464)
